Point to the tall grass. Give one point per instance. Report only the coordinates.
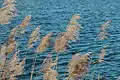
(78, 66)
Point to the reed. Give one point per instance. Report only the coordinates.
(13, 68)
(49, 73)
(103, 34)
(45, 42)
(6, 2)
(25, 22)
(34, 37)
(102, 54)
(70, 34)
(7, 12)
(78, 66)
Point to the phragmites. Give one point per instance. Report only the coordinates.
(6, 2)
(11, 46)
(103, 34)
(15, 67)
(78, 66)
(13, 33)
(7, 12)
(34, 37)
(102, 54)
(71, 34)
(45, 42)
(25, 22)
(8, 47)
(49, 73)
(2, 56)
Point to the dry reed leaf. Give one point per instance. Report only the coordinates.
(78, 66)
(34, 37)
(44, 43)
(25, 22)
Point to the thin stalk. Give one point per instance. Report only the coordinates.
(99, 76)
(33, 67)
(3, 73)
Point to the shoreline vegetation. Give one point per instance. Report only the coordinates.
(78, 66)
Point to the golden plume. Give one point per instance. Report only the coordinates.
(44, 43)
(71, 34)
(103, 34)
(7, 12)
(78, 66)
(102, 54)
(25, 22)
(6, 2)
(49, 73)
(15, 67)
(34, 37)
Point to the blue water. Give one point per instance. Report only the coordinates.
(53, 16)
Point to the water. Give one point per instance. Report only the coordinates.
(53, 16)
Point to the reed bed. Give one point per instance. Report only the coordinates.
(78, 66)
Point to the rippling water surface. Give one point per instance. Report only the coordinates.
(53, 16)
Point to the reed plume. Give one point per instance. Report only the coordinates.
(6, 2)
(7, 12)
(12, 33)
(103, 34)
(34, 37)
(20, 29)
(25, 22)
(49, 73)
(44, 43)
(15, 67)
(11, 46)
(70, 34)
(102, 54)
(6, 49)
(78, 66)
